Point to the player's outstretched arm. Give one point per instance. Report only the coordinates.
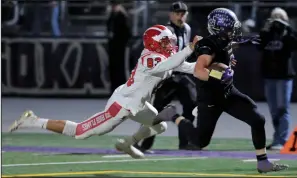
(186, 67)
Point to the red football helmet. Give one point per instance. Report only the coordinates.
(160, 39)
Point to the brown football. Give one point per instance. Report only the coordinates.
(218, 66)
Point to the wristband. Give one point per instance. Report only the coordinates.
(215, 74)
(214, 77)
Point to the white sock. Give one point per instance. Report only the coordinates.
(70, 128)
(41, 123)
(261, 151)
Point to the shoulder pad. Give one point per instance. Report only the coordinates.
(209, 41)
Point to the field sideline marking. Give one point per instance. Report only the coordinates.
(255, 160)
(140, 172)
(116, 156)
(102, 161)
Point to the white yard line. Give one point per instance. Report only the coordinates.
(102, 161)
(116, 156)
(255, 160)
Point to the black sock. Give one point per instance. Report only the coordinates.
(175, 117)
(262, 157)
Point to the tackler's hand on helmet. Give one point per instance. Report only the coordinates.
(224, 23)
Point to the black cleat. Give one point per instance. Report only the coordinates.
(266, 166)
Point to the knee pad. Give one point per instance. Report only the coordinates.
(160, 128)
(70, 128)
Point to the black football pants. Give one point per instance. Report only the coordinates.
(236, 104)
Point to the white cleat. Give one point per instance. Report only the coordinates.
(27, 119)
(122, 145)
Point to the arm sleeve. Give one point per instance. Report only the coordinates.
(186, 67)
(169, 63)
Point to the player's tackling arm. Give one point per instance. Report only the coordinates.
(186, 67)
(166, 64)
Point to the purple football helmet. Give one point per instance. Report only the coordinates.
(224, 23)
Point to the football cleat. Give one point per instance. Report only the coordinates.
(266, 166)
(26, 120)
(123, 146)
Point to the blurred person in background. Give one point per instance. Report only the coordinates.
(55, 17)
(42, 16)
(278, 40)
(119, 33)
(179, 85)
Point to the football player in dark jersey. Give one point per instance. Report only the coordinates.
(217, 94)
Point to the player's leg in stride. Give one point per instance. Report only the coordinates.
(98, 124)
(151, 125)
